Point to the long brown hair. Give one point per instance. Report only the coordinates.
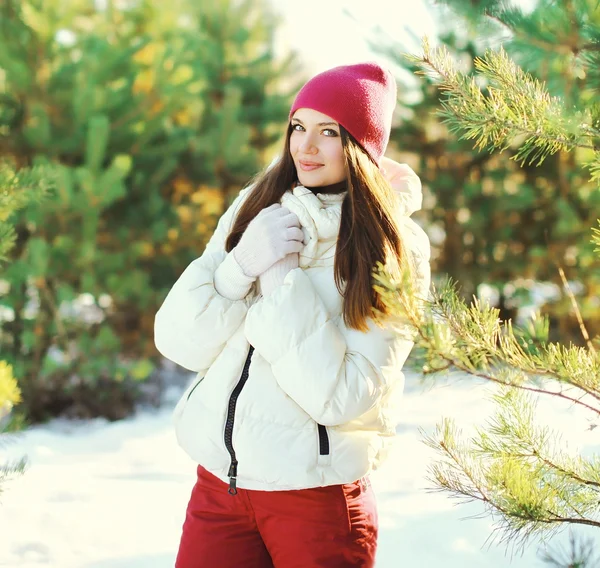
(368, 231)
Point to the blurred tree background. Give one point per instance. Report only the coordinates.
(502, 226)
(153, 115)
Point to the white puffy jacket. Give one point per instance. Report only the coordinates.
(312, 402)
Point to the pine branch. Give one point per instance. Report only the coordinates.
(577, 311)
(472, 340)
(18, 189)
(496, 469)
(493, 379)
(499, 346)
(446, 476)
(573, 521)
(564, 471)
(515, 107)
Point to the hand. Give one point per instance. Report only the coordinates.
(275, 275)
(274, 233)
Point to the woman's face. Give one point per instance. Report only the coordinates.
(316, 148)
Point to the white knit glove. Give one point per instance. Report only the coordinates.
(274, 233)
(274, 276)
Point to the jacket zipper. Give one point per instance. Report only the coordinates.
(323, 440)
(232, 473)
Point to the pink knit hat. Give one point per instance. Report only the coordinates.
(360, 97)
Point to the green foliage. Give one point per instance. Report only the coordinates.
(471, 337)
(519, 470)
(546, 120)
(153, 116)
(514, 105)
(17, 189)
(503, 219)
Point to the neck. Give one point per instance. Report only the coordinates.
(338, 187)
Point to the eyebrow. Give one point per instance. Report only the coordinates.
(318, 124)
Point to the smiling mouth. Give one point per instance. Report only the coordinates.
(309, 166)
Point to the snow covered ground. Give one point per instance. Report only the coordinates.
(113, 495)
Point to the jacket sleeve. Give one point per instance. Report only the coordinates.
(334, 376)
(195, 321)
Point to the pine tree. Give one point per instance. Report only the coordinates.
(154, 114)
(502, 222)
(16, 190)
(528, 482)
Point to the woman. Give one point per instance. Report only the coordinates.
(296, 396)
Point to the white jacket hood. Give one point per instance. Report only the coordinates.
(405, 182)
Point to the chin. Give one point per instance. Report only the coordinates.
(317, 181)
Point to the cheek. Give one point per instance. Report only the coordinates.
(336, 155)
(293, 144)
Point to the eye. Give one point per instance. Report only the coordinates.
(330, 132)
(297, 127)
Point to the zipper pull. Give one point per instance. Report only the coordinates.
(232, 474)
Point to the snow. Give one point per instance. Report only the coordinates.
(113, 495)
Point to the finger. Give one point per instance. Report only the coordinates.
(291, 220)
(293, 246)
(294, 234)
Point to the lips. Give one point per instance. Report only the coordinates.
(309, 166)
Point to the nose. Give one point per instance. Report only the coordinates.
(307, 146)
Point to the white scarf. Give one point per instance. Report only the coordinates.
(320, 217)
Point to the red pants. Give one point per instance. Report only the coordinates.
(329, 527)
